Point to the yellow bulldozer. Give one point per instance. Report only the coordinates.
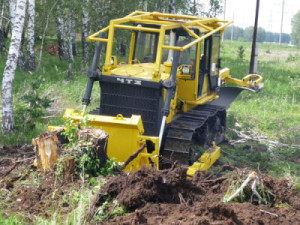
(168, 94)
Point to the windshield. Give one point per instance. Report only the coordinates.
(146, 47)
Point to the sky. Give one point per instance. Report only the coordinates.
(242, 12)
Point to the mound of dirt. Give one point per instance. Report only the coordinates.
(149, 186)
(167, 197)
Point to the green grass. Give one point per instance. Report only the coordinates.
(275, 111)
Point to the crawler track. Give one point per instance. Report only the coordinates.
(202, 125)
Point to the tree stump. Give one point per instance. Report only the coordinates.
(49, 149)
(98, 139)
(46, 149)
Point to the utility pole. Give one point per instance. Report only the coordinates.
(281, 22)
(252, 61)
(232, 27)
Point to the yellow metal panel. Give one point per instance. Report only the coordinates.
(125, 137)
(186, 90)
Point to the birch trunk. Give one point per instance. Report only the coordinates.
(30, 35)
(69, 37)
(61, 30)
(21, 59)
(12, 11)
(145, 6)
(85, 21)
(8, 123)
(2, 29)
(73, 32)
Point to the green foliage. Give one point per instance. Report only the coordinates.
(293, 58)
(12, 220)
(241, 54)
(89, 163)
(31, 107)
(70, 130)
(109, 210)
(110, 167)
(296, 29)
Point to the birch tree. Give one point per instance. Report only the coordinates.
(2, 27)
(72, 18)
(8, 124)
(85, 21)
(30, 35)
(63, 29)
(12, 11)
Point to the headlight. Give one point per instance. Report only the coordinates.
(185, 70)
(112, 61)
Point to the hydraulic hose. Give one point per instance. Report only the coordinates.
(170, 85)
(92, 74)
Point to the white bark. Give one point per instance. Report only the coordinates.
(30, 35)
(85, 21)
(63, 34)
(10, 68)
(145, 6)
(2, 29)
(12, 12)
(69, 36)
(73, 32)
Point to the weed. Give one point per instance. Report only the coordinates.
(109, 210)
(12, 220)
(293, 58)
(241, 54)
(31, 107)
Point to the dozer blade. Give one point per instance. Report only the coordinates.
(206, 160)
(227, 95)
(125, 138)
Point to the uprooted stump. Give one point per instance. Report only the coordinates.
(49, 149)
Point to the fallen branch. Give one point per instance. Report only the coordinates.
(272, 214)
(11, 169)
(253, 187)
(251, 135)
(215, 180)
(251, 176)
(23, 160)
(132, 157)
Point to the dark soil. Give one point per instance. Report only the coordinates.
(28, 191)
(167, 197)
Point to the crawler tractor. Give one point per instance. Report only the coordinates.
(169, 94)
